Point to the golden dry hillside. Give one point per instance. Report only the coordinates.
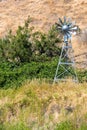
(45, 13)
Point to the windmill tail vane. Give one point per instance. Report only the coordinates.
(66, 65)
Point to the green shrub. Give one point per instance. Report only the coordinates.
(18, 47)
(69, 125)
(14, 126)
(65, 126)
(14, 75)
(47, 44)
(27, 45)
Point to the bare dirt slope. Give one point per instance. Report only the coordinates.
(43, 12)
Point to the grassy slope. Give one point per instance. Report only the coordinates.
(38, 104)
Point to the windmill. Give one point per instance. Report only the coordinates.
(66, 65)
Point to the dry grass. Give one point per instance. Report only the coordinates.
(38, 103)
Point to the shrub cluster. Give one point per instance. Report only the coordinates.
(27, 45)
(28, 54)
(14, 75)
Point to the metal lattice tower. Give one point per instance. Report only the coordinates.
(66, 65)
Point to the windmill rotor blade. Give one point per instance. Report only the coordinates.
(57, 24)
(73, 32)
(73, 23)
(60, 21)
(69, 28)
(59, 29)
(70, 24)
(70, 32)
(66, 27)
(64, 19)
(69, 20)
(74, 28)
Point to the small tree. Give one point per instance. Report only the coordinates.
(18, 47)
(5, 47)
(47, 44)
(25, 46)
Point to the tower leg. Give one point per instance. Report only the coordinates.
(66, 68)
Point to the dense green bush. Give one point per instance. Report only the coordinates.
(26, 45)
(28, 54)
(17, 48)
(13, 75)
(15, 126)
(82, 76)
(47, 44)
(69, 125)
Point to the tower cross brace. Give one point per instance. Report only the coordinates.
(66, 68)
